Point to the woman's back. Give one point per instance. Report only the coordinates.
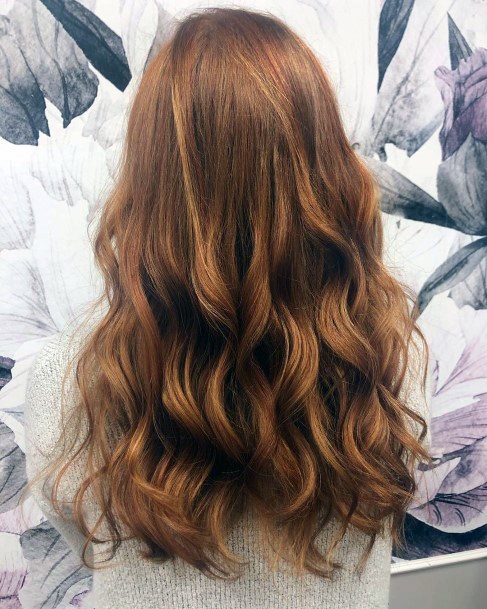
(132, 582)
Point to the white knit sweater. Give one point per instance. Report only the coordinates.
(133, 582)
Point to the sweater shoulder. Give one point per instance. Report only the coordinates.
(416, 394)
(46, 402)
(44, 390)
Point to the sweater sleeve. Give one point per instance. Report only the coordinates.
(412, 389)
(42, 428)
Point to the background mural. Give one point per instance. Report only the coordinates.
(411, 76)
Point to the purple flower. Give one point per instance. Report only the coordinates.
(452, 495)
(464, 94)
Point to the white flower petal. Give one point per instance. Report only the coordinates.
(64, 257)
(24, 313)
(17, 226)
(13, 566)
(409, 107)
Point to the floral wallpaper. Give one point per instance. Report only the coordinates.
(411, 77)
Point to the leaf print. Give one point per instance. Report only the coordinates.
(12, 470)
(101, 45)
(22, 104)
(423, 540)
(55, 575)
(471, 471)
(464, 193)
(473, 289)
(394, 18)
(456, 430)
(13, 568)
(456, 512)
(23, 307)
(6, 365)
(408, 109)
(59, 67)
(401, 197)
(459, 48)
(452, 271)
(17, 225)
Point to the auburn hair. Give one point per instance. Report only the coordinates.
(254, 344)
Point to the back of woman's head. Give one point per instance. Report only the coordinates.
(254, 343)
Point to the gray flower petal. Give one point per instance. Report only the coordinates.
(471, 471)
(12, 470)
(22, 104)
(462, 186)
(401, 197)
(58, 65)
(409, 109)
(454, 270)
(55, 575)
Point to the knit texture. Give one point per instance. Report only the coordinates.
(134, 582)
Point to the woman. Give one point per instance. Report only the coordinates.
(241, 425)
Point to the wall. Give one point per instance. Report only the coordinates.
(460, 585)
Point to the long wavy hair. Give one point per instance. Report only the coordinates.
(254, 344)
